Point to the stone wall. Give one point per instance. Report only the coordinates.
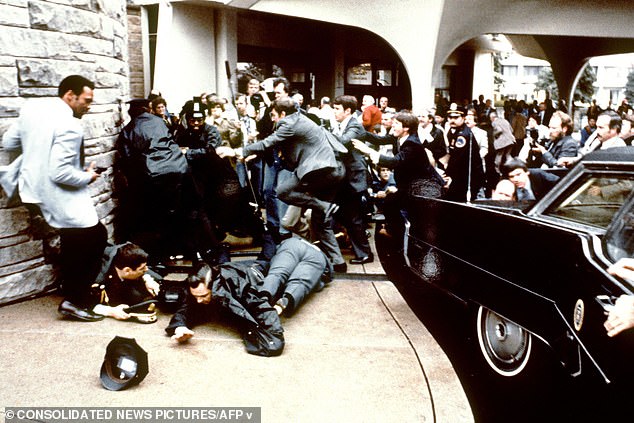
(41, 42)
(135, 48)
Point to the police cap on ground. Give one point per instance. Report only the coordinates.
(125, 364)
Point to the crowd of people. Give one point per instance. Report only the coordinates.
(252, 165)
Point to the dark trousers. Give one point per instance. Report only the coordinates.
(351, 217)
(81, 250)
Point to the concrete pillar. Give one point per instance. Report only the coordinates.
(145, 48)
(185, 64)
(482, 75)
(226, 38)
(339, 68)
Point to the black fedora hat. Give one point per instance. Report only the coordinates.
(125, 364)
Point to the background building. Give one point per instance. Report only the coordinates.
(521, 73)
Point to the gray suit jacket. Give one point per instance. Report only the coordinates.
(303, 145)
(502, 133)
(49, 172)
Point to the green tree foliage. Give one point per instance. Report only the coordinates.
(583, 91)
(546, 82)
(498, 79)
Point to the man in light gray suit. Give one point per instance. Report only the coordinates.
(306, 152)
(50, 174)
(297, 269)
(503, 141)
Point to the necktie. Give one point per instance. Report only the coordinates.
(521, 194)
(524, 195)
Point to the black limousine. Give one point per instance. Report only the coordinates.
(531, 272)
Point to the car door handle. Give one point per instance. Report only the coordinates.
(606, 302)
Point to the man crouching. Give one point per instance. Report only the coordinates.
(126, 286)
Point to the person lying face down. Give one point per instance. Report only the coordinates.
(231, 289)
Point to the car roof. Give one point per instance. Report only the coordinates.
(615, 154)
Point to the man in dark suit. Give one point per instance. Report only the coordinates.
(560, 144)
(305, 151)
(356, 184)
(530, 184)
(411, 163)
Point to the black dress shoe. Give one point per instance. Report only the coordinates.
(68, 309)
(363, 260)
(340, 268)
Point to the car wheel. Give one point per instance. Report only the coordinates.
(505, 345)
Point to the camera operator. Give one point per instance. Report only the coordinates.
(536, 133)
(533, 139)
(561, 143)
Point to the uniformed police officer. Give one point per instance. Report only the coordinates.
(465, 166)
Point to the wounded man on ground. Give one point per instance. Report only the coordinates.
(230, 289)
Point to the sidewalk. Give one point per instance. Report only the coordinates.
(354, 352)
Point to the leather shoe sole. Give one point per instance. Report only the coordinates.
(70, 310)
(362, 260)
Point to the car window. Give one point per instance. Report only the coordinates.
(595, 201)
(619, 240)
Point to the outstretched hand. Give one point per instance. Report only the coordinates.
(182, 334)
(621, 317)
(224, 151)
(360, 145)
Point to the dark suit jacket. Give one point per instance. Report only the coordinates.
(303, 145)
(410, 163)
(565, 147)
(356, 167)
(387, 139)
(541, 182)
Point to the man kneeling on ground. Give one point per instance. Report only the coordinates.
(124, 281)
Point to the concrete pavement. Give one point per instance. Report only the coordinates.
(354, 352)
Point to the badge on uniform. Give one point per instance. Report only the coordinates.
(460, 142)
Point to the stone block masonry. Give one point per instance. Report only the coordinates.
(41, 42)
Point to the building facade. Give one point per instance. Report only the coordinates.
(406, 51)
